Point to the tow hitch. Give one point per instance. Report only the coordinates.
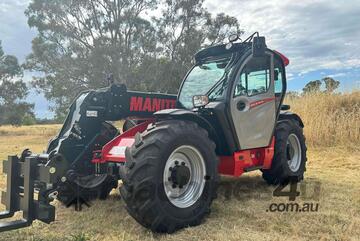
(28, 190)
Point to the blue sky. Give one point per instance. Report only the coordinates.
(321, 38)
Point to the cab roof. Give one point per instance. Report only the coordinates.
(221, 49)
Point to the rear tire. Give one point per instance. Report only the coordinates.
(153, 158)
(290, 154)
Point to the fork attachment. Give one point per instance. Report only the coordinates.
(29, 181)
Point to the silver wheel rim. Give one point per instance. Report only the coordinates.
(189, 193)
(293, 152)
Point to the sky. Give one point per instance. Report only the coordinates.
(321, 38)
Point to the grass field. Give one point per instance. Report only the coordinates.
(239, 213)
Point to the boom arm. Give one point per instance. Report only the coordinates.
(92, 108)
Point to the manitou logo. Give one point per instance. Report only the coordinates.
(150, 104)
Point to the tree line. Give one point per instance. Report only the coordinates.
(13, 109)
(315, 86)
(146, 44)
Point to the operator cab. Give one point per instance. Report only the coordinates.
(239, 86)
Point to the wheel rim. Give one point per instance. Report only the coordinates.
(184, 176)
(293, 152)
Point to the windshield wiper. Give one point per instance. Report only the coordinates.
(223, 83)
(223, 80)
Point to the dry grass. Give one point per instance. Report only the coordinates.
(335, 164)
(329, 119)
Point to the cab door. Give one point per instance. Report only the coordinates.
(252, 103)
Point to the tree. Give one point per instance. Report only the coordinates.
(292, 94)
(79, 42)
(330, 84)
(12, 92)
(312, 87)
(183, 29)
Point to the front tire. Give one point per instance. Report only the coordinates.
(86, 185)
(129, 123)
(170, 177)
(290, 154)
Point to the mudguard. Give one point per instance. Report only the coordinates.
(183, 114)
(288, 115)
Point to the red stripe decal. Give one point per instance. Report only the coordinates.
(260, 102)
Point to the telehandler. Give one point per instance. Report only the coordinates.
(228, 118)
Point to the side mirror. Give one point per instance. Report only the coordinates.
(258, 47)
(276, 75)
(285, 107)
(200, 100)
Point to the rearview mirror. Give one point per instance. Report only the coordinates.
(200, 100)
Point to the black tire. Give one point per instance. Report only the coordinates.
(143, 189)
(280, 172)
(130, 123)
(87, 186)
(74, 193)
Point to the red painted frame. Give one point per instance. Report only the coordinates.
(285, 60)
(119, 144)
(235, 165)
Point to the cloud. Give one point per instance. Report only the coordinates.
(15, 34)
(337, 75)
(321, 34)
(313, 34)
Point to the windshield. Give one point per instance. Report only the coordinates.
(201, 79)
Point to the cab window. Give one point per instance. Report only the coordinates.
(254, 78)
(278, 81)
(278, 76)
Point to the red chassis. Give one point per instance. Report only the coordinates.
(235, 165)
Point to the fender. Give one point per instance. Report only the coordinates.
(183, 114)
(288, 115)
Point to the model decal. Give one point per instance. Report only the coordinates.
(150, 104)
